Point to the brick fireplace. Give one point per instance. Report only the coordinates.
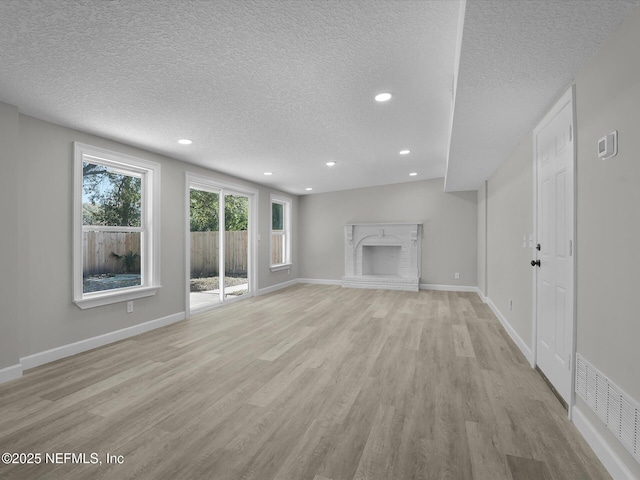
(383, 255)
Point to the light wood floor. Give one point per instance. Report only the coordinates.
(312, 382)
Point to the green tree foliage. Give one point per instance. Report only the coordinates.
(129, 262)
(204, 211)
(277, 216)
(111, 198)
(236, 213)
(204, 208)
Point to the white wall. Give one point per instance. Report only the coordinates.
(41, 227)
(608, 248)
(608, 241)
(449, 235)
(608, 227)
(10, 312)
(509, 218)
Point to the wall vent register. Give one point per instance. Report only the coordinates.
(619, 412)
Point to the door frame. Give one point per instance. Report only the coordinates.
(223, 188)
(568, 97)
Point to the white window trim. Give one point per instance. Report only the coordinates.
(287, 203)
(282, 266)
(151, 219)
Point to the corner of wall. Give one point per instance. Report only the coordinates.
(481, 280)
(10, 205)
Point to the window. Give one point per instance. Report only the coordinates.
(116, 227)
(280, 232)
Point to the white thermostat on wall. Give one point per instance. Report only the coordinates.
(608, 145)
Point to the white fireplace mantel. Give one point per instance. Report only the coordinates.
(383, 255)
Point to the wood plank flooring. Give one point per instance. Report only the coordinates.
(308, 383)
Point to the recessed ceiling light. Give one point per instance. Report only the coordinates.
(330, 164)
(268, 173)
(308, 189)
(413, 174)
(185, 141)
(405, 152)
(383, 97)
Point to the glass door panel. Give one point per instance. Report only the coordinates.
(204, 282)
(236, 245)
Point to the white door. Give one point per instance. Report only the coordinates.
(554, 157)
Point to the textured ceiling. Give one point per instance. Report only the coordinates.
(517, 58)
(280, 86)
(284, 86)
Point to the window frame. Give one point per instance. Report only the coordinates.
(213, 184)
(149, 228)
(286, 232)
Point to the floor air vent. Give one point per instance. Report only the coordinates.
(615, 408)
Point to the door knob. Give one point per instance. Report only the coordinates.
(535, 262)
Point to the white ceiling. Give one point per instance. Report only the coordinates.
(285, 86)
(517, 58)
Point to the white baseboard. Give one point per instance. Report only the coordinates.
(10, 373)
(57, 353)
(279, 286)
(448, 288)
(423, 286)
(611, 461)
(481, 295)
(320, 281)
(524, 348)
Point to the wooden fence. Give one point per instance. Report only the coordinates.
(277, 248)
(204, 252)
(97, 249)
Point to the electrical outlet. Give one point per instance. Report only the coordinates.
(456, 275)
(130, 307)
(511, 305)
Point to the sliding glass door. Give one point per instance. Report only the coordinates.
(219, 243)
(204, 238)
(236, 241)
